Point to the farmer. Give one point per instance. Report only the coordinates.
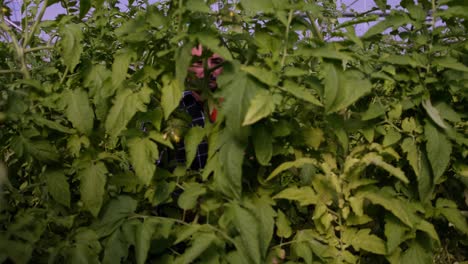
(193, 104)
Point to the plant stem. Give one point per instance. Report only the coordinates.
(38, 49)
(28, 36)
(19, 50)
(285, 49)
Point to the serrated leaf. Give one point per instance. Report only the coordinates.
(416, 254)
(122, 60)
(126, 105)
(304, 195)
(450, 211)
(263, 144)
(247, 224)
(392, 137)
(55, 125)
(433, 113)
(231, 157)
(420, 165)
(197, 6)
(189, 198)
(58, 187)
(75, 143)
(429, 229)
(451, 63)
(191, 141)
(116, 248)
(289, 164)
(342, 88)
(171, 94)
(41, 150)
(313, 137)
(261, 106)
(439, 150)
(114, 214)
(143, 156)
(200, 243)
(394, 21)
(237, 89)
(263, 75)
(70, 44)
(143, 236)
(283, 225)
(395, 233)
(392, 204)
(300, 92)
(92, 186)
(257, 6)
(78, 110)
(362, 239)
(375, 110)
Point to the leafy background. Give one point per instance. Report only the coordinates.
(329, 147)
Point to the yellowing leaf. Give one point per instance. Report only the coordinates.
(92, 186)
(289, 164)
(261, 106)
(362, 239)
(143, 156)
(283, 225)
(304, 195)
(313, 137)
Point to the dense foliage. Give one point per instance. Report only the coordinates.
(329, 147)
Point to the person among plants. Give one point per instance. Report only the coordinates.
(201, 80)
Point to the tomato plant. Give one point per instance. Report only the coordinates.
(328, 147)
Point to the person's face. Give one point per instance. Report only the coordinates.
(197, 67)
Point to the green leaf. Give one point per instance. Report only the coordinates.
(114, 214)
(451, 63)
(183, 57)
(261, 106)
(247, 225)
(231, 157)
(75, 143)
(395, 233)
(143, 156)
(330, 51)
(41, 150)
(439, 150)
(15, 251)
(396, 206)
(55, 125)
(212, 41)
(375, 110)
(58, 187)
(342, 88)
(262, 209)
(394, 21)
(125, 106)
(313, 137)
(85, 5)
(283, 225)
(362, 239)
(189, 198)
(420, 165)
(290, 164)
(300, 92)
(263, 144)
(171, 94)
(304, 195)
(122, 60)
(450, 211)
(197, 6)
(429, 229)
(392, 137)
(116, 248)
(416, 254)
(200, 243)
(238, 90)
(70, 44)
(191, 141)
(92, 186)
(143, 236)
(433, 113)
(79, 111)
(265, 76)
(258, 6)
(86, 247)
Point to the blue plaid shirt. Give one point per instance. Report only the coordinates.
(195, 109)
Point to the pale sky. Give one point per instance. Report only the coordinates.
(357, 5)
